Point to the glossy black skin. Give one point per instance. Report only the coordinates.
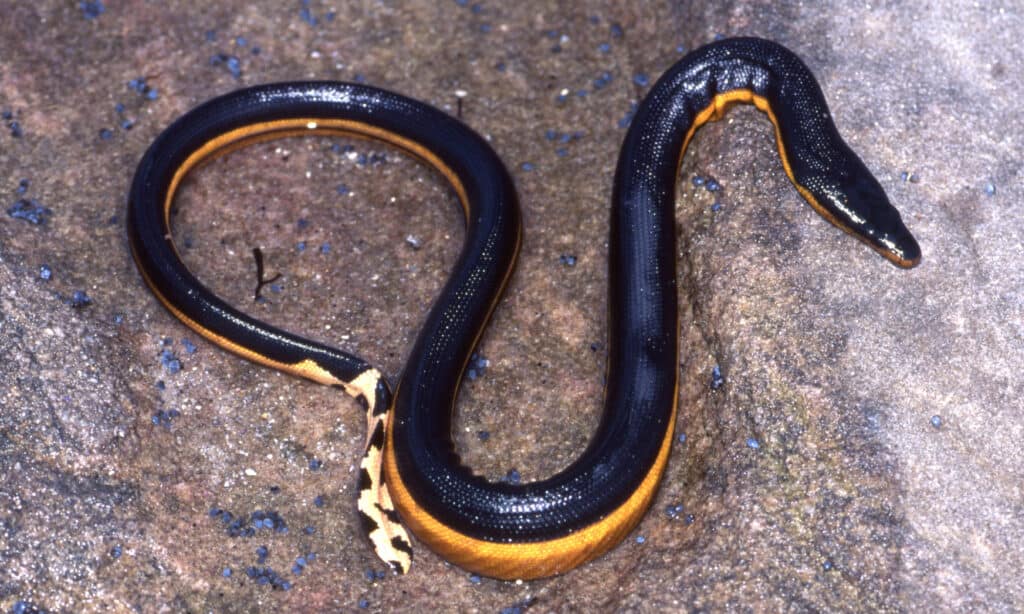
(643, 334)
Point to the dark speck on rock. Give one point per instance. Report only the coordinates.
(483, 435)
(25, 607)
(602, 80)
(477, 366)
(92, 9)
(716, 378)
(616, 30)
(307, 15)
(567, 260)
(30, 210)
(230, 62)
(512, 477)
(712, 186)
(80, 299)
(170, 361)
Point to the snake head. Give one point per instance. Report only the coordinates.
(858, 204)
(882, 227)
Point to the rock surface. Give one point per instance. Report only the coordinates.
(864, 452)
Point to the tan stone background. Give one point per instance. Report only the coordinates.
(835, 362)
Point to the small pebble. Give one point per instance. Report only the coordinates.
(936, 421)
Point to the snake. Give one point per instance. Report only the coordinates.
(411, 475)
